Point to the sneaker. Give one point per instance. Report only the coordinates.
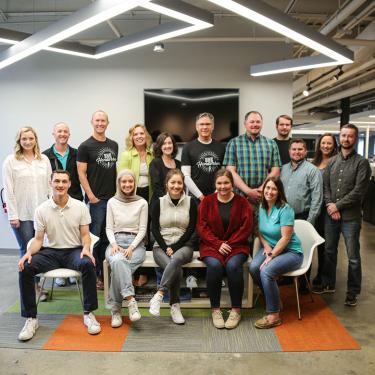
(134, 313)
(72, 280)
(116, 320)
(60, 281)
(176, 314)
(155, 303)
(191, 282)
(351, 300)
(233, 320)
(93, 326)
(320, 289)
(217, 319)
(29, 329)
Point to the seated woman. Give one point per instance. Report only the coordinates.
(126, 228)
(281, 248)
(173, 219)
(225, 222)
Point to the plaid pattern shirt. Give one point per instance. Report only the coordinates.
(253, 159)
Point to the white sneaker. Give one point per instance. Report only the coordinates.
(191, 282)
(116, 320)
(155, 303)
(60, 281)
(29, 329)
(134, 313)
(72, 280)
(176, 314)
(93, 326)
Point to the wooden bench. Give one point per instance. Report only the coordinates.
(247, 301)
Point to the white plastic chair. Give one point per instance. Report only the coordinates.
(310, 240)
(65, 272)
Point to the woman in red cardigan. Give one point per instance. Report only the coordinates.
(225, 222)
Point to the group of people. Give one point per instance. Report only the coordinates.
(149, 200)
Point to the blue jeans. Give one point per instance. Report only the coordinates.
(48, 259)
(122, 270)
(234, 271)
(98, 212)
(287, 261)
(351, 230)
(24, 234)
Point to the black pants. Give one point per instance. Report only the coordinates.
(49, 259)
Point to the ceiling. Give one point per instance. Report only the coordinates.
(349, 22)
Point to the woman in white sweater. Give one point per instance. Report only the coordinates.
(126, 228)
(26, 176)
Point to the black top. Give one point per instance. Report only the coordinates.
(158, 171)
(224, 209)
(155, 225)
(101, 160)
(205, 160)
(283, 147)
(75, 190)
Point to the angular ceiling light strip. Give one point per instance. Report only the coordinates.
(189, 19)
(267, 16)
(83, 19)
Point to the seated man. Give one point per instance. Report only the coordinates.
(65, 222)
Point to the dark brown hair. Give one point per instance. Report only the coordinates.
(224, 172)
(170, 174)
(351, 126)
(159, 143)
(281, 198)
(284, 116)
(256, 112)
(297, 140)
(60, 171)
(318, 156)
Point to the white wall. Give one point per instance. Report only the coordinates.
(47, 88)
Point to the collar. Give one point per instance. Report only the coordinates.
(183, 196)
(298, 164)
(56, 207)
(134, 151)
(205, 143)
(354, 152)
(251, 139)
(58, 154)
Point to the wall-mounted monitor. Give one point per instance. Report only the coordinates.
(174, 111)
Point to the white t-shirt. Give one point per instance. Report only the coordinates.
(62, 225)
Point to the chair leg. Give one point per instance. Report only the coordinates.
(41, 288)
(53, 284)
(298, 307)
(80, 294)
(309, 286)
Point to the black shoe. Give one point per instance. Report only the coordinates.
(320, 289)
(351, 300)
(317, 281)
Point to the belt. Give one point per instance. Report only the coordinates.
(127, 233)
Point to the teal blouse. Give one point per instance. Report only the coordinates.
(270, 226)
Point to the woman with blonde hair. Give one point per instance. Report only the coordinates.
(137, 157)
(26, 176)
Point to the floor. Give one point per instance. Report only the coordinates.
(359, 321)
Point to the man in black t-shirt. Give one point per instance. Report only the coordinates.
(283, 127)
(96, 161)
(201, 158)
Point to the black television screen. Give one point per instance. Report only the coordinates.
(174, 111)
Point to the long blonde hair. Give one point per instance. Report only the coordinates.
(129, 139)
(18, 150)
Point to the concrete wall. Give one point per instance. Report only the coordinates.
(47, 88)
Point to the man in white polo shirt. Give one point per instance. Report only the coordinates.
(65, 222)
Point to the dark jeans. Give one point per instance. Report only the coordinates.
(49, 259)
(351, 230)
(24, 234)
(98, 212)
(234, 271)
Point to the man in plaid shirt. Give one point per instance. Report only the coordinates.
(252, 157)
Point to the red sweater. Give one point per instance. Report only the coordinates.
(211, 231)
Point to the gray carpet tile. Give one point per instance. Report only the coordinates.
(198, 335)
(11, 325)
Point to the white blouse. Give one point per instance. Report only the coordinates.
(26, 185)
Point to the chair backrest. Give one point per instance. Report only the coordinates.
(310, 239)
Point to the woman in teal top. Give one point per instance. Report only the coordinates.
(281, 248)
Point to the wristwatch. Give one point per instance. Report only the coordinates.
(270, 254)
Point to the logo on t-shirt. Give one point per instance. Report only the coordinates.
(106, 158)
(209, 162)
